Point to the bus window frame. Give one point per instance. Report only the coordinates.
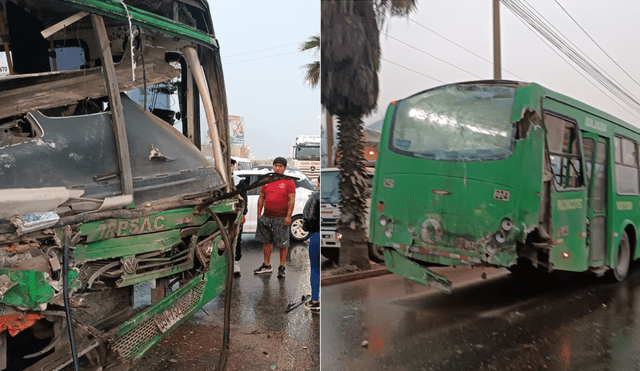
(392, 147)
(576, 130)
(621, 163)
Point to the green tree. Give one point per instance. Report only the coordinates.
(312, 70)
(350, 58)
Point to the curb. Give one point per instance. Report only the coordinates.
(341, 278)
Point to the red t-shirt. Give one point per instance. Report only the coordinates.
(276, 198)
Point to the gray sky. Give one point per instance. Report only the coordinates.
(265, 87)
(612, 24)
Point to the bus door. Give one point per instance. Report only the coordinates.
(568, 193)
(595, 157)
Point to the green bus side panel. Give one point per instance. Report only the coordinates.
(110, 228)
(127, 246)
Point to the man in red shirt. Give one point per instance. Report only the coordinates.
(278, 199)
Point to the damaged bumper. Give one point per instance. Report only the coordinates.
(401, 265)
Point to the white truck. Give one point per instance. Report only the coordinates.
(330, 214)
(305, 155)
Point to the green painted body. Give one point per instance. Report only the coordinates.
(199, 291)
(461, 197)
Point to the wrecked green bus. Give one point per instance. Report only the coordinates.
(505, 174)
(102, 182)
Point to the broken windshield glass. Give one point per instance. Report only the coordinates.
(455, 123)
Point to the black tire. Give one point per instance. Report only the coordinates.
(331, 253)
(297, 231)
(376, 252)
(620, 267)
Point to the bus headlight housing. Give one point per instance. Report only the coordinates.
(383, 220)
(500, 237)
(506, 224)
(388, 232)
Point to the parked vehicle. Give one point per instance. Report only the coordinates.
(98, 190)
(330, 215)
(242, 163)
(305, 155)
(304, 188)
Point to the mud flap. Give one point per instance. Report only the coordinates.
(401, 265)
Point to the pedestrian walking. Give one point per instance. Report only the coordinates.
(311, 215)
(277, 198)
(240, 185)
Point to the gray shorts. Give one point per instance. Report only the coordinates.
(272, 231)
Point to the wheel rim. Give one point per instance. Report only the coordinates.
(296, 229)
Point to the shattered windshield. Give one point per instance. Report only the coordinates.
(455, 123)
(329, 191)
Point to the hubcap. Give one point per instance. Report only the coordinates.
(297, 230)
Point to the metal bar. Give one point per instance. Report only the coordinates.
(52, 46)
(191, 100)
(191, 55)
(117, 117)
(497, 66)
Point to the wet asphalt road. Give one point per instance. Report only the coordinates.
(263, 337)
(580, 323)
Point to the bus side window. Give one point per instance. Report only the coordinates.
(626, 158)
(564, 152)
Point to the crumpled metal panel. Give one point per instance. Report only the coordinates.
(79, 152)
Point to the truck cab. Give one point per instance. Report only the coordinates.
(330, 216)
(305, 155)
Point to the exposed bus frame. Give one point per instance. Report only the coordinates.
(131, 339)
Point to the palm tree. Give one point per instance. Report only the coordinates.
(312, 74)
(349, 89)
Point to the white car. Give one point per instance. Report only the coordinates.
(304, 189)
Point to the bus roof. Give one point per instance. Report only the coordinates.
(142, 18)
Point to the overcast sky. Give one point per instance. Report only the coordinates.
(266, 87)
(614, 25)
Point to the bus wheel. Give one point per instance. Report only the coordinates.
(376, 252)
(621, 266)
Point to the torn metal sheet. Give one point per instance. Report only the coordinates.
(27, 201)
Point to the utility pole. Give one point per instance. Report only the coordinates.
(497, 67)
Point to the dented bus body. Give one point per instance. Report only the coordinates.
(505, 174)
(102, 183)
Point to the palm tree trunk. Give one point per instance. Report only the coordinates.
(329, 138)
(353, 184)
